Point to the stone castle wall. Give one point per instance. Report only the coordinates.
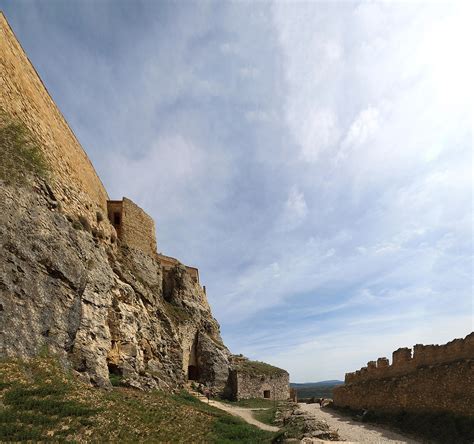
(437, 378)
(168, 263)
(245, 385)
(138, 229)
(24, 97)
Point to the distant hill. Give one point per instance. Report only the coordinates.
(316, 384)
(321, 389)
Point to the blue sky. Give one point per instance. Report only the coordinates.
(313, 159)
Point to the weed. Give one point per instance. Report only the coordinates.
(116, 380)
(40, 402)
(76, 225)
(21, 155)
(85, 223)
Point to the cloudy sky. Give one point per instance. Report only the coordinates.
(313, 159)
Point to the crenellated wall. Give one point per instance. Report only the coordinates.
(423, 355)
(435, 378)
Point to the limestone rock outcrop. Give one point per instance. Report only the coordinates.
(101, 307)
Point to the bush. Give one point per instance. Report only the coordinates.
(116, 380)
(85, 223)
(99, 216)
(76, 225)
(21, 155)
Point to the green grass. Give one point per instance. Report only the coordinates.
(21, 155)
(250, 403)
(41, 402)
(37, 400)
(266, 416)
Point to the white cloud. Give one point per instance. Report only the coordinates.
(294, 212)
(225, 125)
(317, 132)
(364, 127)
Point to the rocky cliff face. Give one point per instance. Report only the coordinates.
(101, 307)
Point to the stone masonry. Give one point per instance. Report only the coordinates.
(103, 307)
(252, 379)
(437, 378)
(23, 95)
(134, 227)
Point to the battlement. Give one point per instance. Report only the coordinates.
(423, 355)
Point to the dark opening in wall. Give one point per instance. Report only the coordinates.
(114, 369)
(117, 219)
(193, 373)
(266, 394)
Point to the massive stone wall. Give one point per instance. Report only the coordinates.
(437, 378)
(138, 229)
(169, 263)
(252, 379)
(24, 96)
(248, 386)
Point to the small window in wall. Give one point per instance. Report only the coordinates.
(117, 219)
(266, 394)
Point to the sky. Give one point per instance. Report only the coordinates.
(312, 159)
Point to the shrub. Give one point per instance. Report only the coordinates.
(85, 223)
(99, 216)
(76, 225)
(21, 155)
(116, 380)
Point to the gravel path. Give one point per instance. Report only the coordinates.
(354, 431)
(245, 414)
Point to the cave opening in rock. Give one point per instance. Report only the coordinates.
(193, 373)
(114, 369)
(193, 362)
(266, 394)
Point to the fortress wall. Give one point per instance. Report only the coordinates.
(168, 263)
(138, 229)
(23, 96)
(435, 378)
(424, 355)
(247, 386)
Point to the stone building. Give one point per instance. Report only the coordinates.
(136, 229)
(254, 379)
(133, 226)
(168, 263)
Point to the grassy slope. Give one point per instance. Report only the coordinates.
(266, 416)
(252, 403)
(39, 401)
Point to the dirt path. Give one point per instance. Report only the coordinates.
(354, 431)
(245, 414)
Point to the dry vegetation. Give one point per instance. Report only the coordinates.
(39, 401)
(20, 153)
(259, 368)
